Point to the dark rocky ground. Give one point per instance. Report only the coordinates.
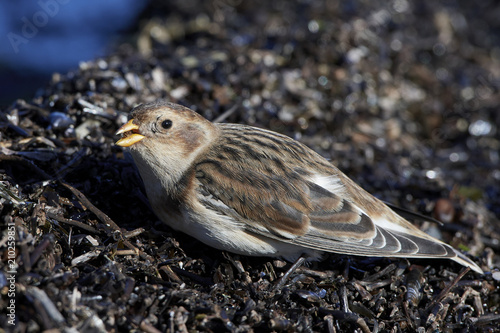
(402, 96)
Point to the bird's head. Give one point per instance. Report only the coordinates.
(165, 138)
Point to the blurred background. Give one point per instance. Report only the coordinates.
(46, 36)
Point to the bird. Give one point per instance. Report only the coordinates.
(255, 192)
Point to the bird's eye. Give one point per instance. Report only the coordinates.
(166, 124)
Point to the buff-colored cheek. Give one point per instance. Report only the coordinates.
(190, 138)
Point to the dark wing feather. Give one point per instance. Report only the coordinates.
(302, 212)
(269, 202)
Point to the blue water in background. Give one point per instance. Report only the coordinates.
(39, 37)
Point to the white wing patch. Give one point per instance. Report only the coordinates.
(335, 185)
(388, 225)
(330, 183)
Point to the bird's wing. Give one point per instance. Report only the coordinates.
(298, 211)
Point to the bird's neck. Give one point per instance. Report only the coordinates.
(158, 180)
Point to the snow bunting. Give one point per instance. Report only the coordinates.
(255, 192)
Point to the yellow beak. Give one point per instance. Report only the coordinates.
(130, 136)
